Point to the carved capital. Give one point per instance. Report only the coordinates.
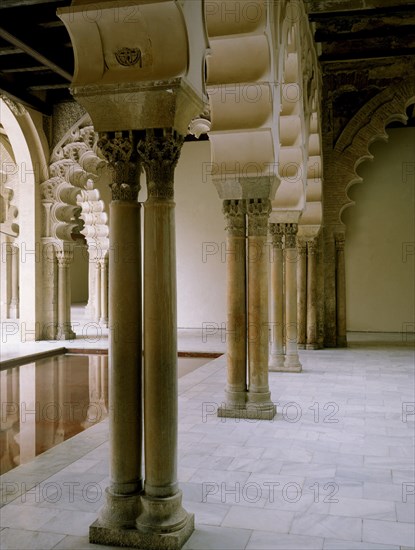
(277, 232)
(339, 240)
(64, 257)
(118, 149)
(302, 247)
(234, 212)
(258, 211)
(290, 230)
(159, 151)
(312, 247)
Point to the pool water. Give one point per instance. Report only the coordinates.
(48, 401)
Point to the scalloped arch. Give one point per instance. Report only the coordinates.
(367, 126)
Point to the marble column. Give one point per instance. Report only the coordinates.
(259, 396)
(341, 339)
(302, 293)
(312, 295)
(162, 520)
(97, 291)
(235, 393)
(64, 257)
(103, 264)
(125, 342)
(14, 298)
(292, 361)
(276, 360)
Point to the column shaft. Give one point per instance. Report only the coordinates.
(276, 361)
(302, 294)
(311, 295)
(292, 361)
(259, 396)
(104, 291)
(235, 393)
(64, 257)
(340, 291)
(162, 514)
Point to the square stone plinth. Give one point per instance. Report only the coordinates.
(249, 411)
(110, 536)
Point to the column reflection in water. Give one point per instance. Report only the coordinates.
(47, 402)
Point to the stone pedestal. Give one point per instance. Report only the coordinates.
(162, 522)
(292, 361)
(341, 339)
(276, 360)
(302, 294)
(259, 403)
(117, 518)
(235, 393)
(312, 295)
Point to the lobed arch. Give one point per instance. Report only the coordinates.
(73, 209)
(367, 126)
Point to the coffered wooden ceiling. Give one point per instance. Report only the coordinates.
(36, 57)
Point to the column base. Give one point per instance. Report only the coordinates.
(341, 342)
(301, 346)
(276, 363)
(312, 346)
(250, 411)
(119, 511)
(112, 536)
(292, 364)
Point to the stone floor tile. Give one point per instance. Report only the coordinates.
(260, 519)
(207, 537)
(261, 540)
(19, 539)
(387, 532)
(328, 526)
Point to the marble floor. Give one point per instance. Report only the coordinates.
(333, 470)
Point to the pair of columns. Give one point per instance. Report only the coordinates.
(247, 391)
(307, 294)
(284, 347)
(141, 512)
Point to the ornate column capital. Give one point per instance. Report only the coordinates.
(258, 211)
(64, 257)
(234, 212)
(302, 247)
(118, 149)
(277, 232)
(160, 151)
(312, 247)
(290, 230)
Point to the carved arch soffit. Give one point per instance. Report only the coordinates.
(367, 126)
(71, 202)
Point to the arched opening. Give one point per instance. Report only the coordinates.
(379, 249)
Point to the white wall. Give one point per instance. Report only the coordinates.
(200, 236)
(380, 237)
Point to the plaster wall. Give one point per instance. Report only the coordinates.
(380, 256)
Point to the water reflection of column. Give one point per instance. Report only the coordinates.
(28, 409)
(14, 301)
(9, 426)
(65, 413)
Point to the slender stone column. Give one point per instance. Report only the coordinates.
(302, 293)
(312, 295)
(340, 291)
(125, 347)
(235, 393)
(162, 517)
(292, 361)
(14, 302)
(276, 361)
(259, 396)
(97, 290)
(64, 257)
(103, 263)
